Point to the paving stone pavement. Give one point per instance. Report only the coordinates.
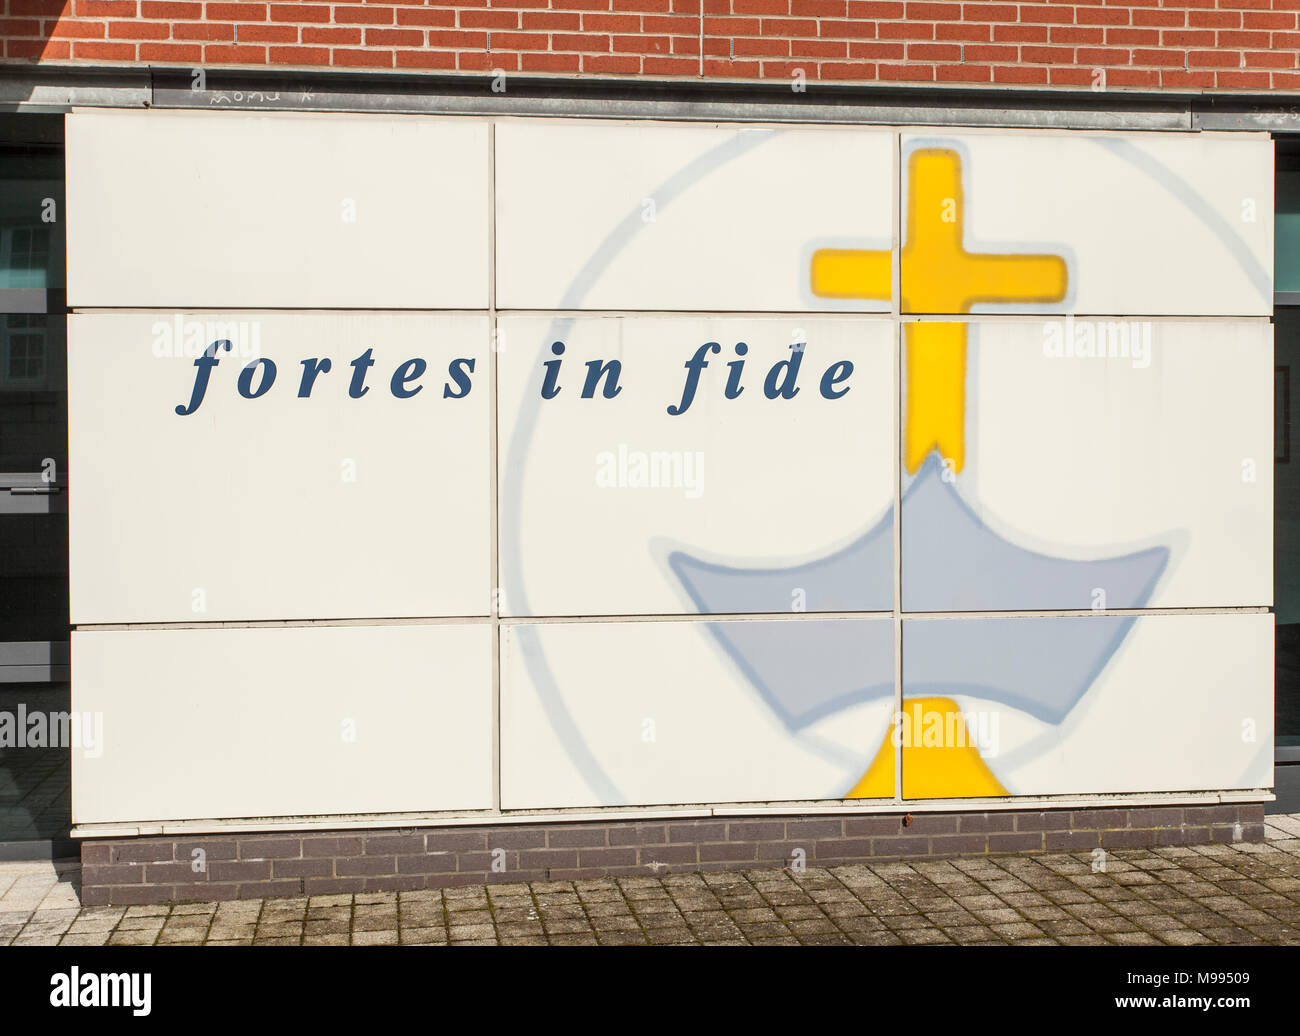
(1215, 894)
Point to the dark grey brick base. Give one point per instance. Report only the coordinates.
(253, 866)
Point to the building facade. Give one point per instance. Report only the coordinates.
(506, 443)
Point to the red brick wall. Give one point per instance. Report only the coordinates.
(1150, 44)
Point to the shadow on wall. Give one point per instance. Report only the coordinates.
(43, 30)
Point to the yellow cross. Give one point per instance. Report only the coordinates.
(936, 275)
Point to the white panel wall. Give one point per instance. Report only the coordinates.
(283, 721)
(278, 210)
(685, 723)
(1150, 223)
(639, 243)
(597, 494)
(1165, 446)
(1180, 706)
(598, 215)
(282, 506)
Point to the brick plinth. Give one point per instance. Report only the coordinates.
(252, 866)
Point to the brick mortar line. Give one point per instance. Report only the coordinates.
(1064, 907)
(857, 898)
(636, 915)
(743, 878)
(1246, 857)
(1228, 922)
(886, 919)
(822, 909)
(212, 920)
(577, 897)
(1135, 893)
(728, 912)
(995, 864)
(1158, 903)
(628, 904)
(696, 928)
(748, 882)
(492, 913)
(537, 909)
(939, 888)
(1018, 911)
(797, 881)
(911, 901)
(835, 921)
(716, 899)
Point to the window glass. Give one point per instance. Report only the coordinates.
(31, 214)
(33, 391)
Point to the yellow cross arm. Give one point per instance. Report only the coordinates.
(951, 281)
(938, 274)
(852, 273)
